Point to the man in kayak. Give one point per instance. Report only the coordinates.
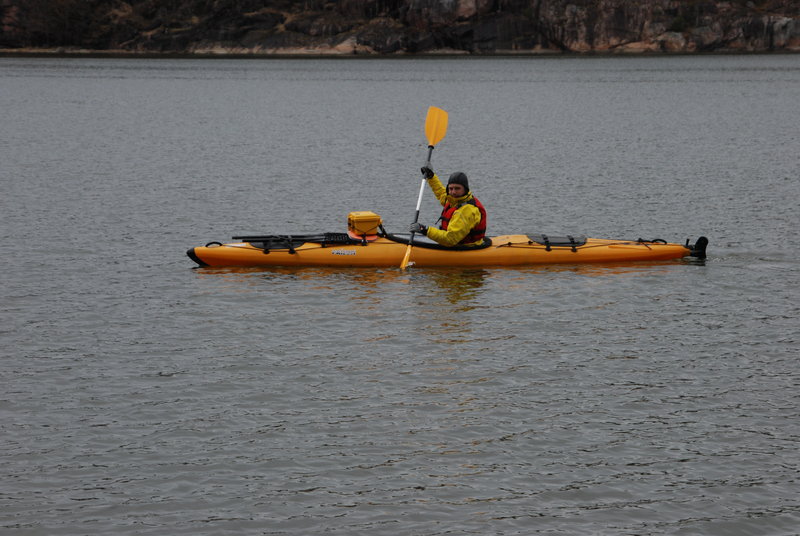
(463, 216)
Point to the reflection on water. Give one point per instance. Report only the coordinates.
(454, 307)
(457, 287)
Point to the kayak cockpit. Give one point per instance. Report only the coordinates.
(425, 242)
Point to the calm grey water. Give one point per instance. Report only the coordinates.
(141, 396)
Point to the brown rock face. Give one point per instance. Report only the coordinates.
(402, 26)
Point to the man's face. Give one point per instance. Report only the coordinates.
(456, 190)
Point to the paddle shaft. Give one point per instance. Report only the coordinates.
(422, 188)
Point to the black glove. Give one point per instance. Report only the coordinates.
(427, 172)
(418, 228)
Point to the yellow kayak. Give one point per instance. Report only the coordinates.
(367, 244)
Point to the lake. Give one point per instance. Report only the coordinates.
(141, 395)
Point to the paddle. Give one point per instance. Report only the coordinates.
(435, 129)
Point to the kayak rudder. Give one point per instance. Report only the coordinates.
(698, 249)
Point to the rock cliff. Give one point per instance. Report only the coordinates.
(400, 26)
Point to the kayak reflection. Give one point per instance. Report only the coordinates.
(457, 287)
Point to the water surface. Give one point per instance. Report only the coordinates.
(142, 396)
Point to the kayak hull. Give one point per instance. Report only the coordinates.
(387, 251)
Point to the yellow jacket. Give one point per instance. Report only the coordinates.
(464, 219)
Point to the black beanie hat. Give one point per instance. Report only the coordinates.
(459, 177)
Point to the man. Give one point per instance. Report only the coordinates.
(463, 216)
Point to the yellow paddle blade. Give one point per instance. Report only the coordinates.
(435, 125)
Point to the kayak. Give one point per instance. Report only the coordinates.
(367, 244)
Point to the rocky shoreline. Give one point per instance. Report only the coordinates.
(389, 28)
(302, 53)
